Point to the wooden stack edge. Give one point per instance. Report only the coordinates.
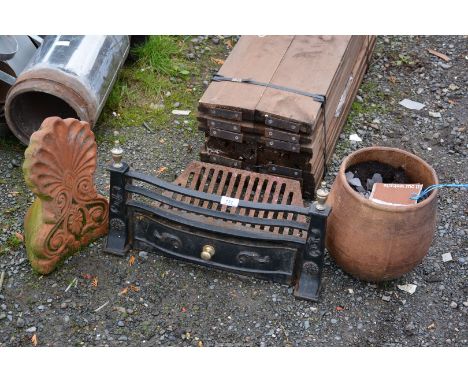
(341, 74)
(234, 114)
(317, 162)
(255, 57)
(306, 162)
(251, 129)
(246, 131)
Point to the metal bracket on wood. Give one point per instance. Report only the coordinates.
(219, 159)
(232, 127)
(283, 171)
(282, 135)
(282, 145)
(224, 134)
(282, 124)
(225, 113)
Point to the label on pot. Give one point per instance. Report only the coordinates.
(393, 194)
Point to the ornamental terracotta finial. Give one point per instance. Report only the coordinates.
(68, 213)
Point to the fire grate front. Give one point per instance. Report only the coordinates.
(221, 217)
(235, 184)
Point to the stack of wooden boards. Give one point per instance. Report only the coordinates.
(277, 124)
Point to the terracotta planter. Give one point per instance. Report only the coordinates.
(375, 242)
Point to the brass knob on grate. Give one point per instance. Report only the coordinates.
(321, 196)
(117, 154)
(207, 252)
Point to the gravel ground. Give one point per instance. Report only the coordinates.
(175, 304)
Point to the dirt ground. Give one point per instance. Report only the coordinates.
(176, 304)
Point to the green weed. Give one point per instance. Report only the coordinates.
(158, 54)
(160, 76)
(13, 242)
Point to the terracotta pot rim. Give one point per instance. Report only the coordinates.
(361, 199)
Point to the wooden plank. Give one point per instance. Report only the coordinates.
(252, 57)
(358, 73)
(343, 82)
(310, 64)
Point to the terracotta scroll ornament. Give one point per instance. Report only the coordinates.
(68, 213)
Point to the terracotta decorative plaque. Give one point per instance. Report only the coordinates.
(68, 213)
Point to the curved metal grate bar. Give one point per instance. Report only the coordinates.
(139, 207)
(213, 213)
(215, 198)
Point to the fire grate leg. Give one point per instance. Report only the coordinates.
(309, 267)
(117, 241)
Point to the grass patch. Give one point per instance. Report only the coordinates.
(161, 75)
(11, 210)
(158, 53)
(13, 242)
(371, 105)
(139, 94)
(407, 60)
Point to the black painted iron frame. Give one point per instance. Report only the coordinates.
(164, 229)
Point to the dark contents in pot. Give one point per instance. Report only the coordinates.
(362, 176)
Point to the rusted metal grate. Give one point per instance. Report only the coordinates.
(243, 185)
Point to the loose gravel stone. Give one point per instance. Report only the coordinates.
(410, 329)
(446, 257)
(20, 323)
